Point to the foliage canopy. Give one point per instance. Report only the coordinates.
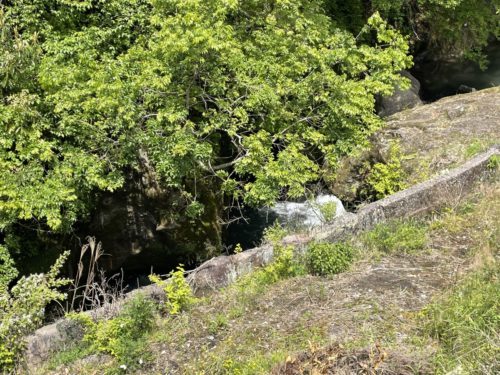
(253, 97)
(458, 28)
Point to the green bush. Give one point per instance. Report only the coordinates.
(466, 324)
(388, 177)
(178, 292)
(397, 237)
(328, 211)
(22, 308)
(121, 336)
(284, 265)
(329, 258)
(275, 233)
(494, 162)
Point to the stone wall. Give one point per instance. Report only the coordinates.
(417, 200)
(224, 270)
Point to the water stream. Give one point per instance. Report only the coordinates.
(441, 78)
(293, 215)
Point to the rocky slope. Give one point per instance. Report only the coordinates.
(433, 138)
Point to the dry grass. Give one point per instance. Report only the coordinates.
(334, 359)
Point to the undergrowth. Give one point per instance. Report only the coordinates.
(396, 237)
(388, 177)
(178, 293)
(328, 258)
(466, 324)
(121, 337)
(22, 306)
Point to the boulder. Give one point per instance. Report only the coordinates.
(400, 99)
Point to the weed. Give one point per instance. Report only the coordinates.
(328, 211)
(122, 336)
(494, 162)
(178, 292)
(69, 356)
(405, 237)
(275, 233)
(22, 306)
(285, 265)
(474, 148)
(328, 258)
(238, 249)
(386, 178)
(217, 324)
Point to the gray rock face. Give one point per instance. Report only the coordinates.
(433, 138)
(401, 99)
(142, 225)
(50, 338)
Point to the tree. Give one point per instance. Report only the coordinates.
(254, 99)
(451, 28)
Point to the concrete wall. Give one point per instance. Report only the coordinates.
(224, 270)
(417, 200)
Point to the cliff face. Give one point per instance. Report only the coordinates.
(143, 226)
(433, 138)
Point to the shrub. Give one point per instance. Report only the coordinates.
(328, 258)
(284, 265)
(178, 292)
(466, 324)
(121, 336)
(275, 233)
(397, 237)
(494, 162)
(22, 308)
(8, 271)
(218, 323)
(388, 177)
(328, 211)
(238, 249)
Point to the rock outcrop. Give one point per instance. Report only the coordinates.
(432, 138)
(143, 225)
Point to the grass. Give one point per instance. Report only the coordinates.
(396, 237)
(69, 355)
(255, 324)
(475, 147)
(466, 325)
(209, 342)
